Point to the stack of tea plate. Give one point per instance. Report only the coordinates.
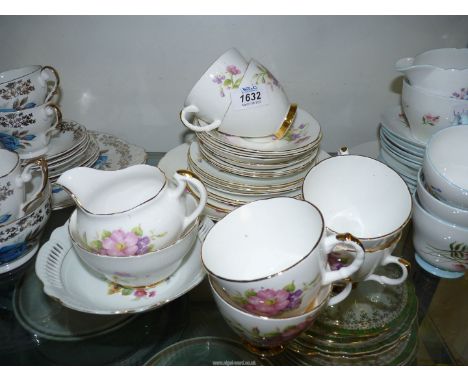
(398, 148)
(375, 325)
(75, 146)
(237, 170)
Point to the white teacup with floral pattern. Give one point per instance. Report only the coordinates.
(28, 131)
(210, 98)
(138, 200)
(270, 256)
(367, 198)
(268, 336)
(13, 177)
(27, 87)
(269, 112)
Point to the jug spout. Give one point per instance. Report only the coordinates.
(407, 64)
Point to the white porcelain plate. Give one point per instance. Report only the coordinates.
(68, 280)
(71, 135)
(394, 120)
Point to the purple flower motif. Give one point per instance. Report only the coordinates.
(120, 243)
(218, 79)
(268, 302)
(233, 70)
(295, 299)
(142, 245)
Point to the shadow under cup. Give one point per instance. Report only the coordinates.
(365, 197)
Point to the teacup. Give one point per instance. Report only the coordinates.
(13, 178)
(142, 268)
(270, 256)
(27, 87)
(440, 71)
(439, 208)
(28, 131)
(260, 107)
(428, 113)
(268, 336)
(19, 238)
(210, 98)
(442, 244)
(365, 197)
(445, 166)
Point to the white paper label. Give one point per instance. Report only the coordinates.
(249, 96)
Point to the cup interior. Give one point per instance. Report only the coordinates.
(449, 58)
(262, 238)
(15, 74)
(358, 194)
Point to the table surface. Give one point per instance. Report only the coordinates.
(195, 315)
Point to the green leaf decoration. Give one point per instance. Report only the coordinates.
(126, 291)
(237, 83)
(97, 244)
(162, 234)
(105, 234)
(227, 82)
(137, 231)
(290, 287)
(250, 293)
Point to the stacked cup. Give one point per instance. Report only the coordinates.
(267, 266)
(435, 90)
(28, 119)
(440, 216)
(24, 209)
(434, 97)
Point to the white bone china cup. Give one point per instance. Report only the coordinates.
(270, 256)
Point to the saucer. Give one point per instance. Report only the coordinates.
(304, 131)
(206, 351)
(71, 134)
(68, 280)
(394, 121)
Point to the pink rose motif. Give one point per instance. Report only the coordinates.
(120, 243)
(268, 302)
(233, 70)
(139, 293)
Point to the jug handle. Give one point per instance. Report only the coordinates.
(187, 176)
(194, 109)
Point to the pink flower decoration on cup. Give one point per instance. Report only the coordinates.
(120, 243)
(268, 302)
(233, 69)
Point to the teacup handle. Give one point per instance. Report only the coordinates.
(26, 177)
(402, 263)
(185, 176)
(194, 109)
(45, 76)
(329, 243)
(58, 118)
(342, 295)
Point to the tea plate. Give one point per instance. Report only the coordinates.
(70, 135)
(75, 286)
(394, 121)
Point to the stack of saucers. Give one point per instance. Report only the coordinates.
(398, 148)
(238, 170)
(376, 325)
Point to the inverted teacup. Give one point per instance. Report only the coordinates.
(270, 256)
(259, 107)
(13, 177)
(362, 196)
(210, 98)
(28, 131)
(27, 87)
